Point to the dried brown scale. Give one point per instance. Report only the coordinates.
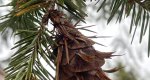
(76, 58)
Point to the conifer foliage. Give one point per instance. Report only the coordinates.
(63, 49)
(63, 46)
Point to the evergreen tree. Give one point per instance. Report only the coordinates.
(47, 33)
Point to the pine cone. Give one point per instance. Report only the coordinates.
(76, 57)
